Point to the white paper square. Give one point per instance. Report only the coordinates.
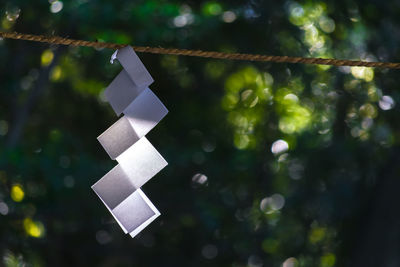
(150, 220)
(141, 162)
(118, 137)
(135, 212)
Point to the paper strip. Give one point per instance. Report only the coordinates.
(138, 161)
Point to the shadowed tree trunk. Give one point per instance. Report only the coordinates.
(378, 240)
(21, 114)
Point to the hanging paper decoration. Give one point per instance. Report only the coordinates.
(125, 141)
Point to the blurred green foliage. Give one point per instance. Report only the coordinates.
(269, 164)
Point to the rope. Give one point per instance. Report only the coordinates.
(199, 53)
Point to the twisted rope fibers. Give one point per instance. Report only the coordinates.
(199, 53)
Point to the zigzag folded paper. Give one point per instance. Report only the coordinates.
(125, 141)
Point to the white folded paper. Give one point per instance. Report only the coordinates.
(125, 141)
(121, 92)
(114, 187)
(130, 82)
(142, 115)
(141, 162)
(134, 213)
(145, 112)
(150, 205)
(136, 166)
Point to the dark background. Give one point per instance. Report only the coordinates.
(326, 194)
